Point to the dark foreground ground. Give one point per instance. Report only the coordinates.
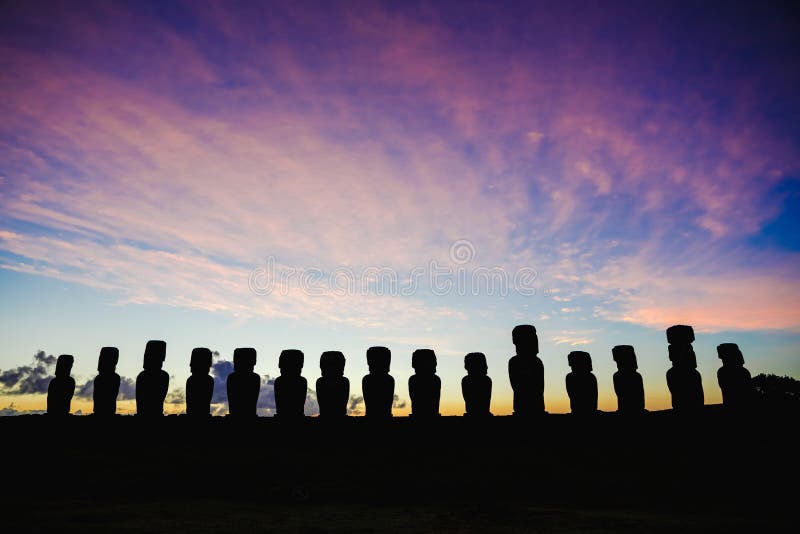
(655, 473)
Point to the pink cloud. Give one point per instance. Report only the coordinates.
(529, 153)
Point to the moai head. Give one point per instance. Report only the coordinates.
(107, 362)
(680, 334)
(244, 359)
(525, 339)
(682, 356)
(580, 361)
(154, 354)
(424, 361)
(730, 354)
(475, 363)
(378, 360)
(290, 362)
(200, 363)
(625, 357)
(331, 363)
(64, 365)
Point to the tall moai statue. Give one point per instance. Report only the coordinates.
(333, 388)
(581, 384)
(476, 387)
(628, 383)
(152, 383)
(734, 379)
(106, 383)
(290, 386)
(200, 384)
(683, 380)
(61, 387)
(424, 386)
(243, 384)
(526, 372)
(378, 385)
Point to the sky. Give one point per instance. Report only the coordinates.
(332, 176)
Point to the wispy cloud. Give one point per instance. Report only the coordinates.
(162, 170)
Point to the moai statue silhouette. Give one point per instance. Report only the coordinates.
(106, 383)
(683, 380)
(290, 387)
(424, 386)
(628, 383)
(734, 379)
(243, 384)
(61, 387)
(526, 372)
(152, 383)
(581, 384)
(333, 388)
(378, 385)
(199, 385)
(476, 387)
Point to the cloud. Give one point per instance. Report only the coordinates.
(29, 379)
(220, 369)
(165, 178)
(127, 389)
(355, 405)
(11, 410)
(634, 290)
(573, 337)
(397, 402)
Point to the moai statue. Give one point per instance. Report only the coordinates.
(106, 383)
(333, 388)
(61, 388)
(243, 384)
(476, 387)
(683, 380)
(378, 385)
(152, 384)
(734, 379)
(526, 372)
(424, 386)
(628, 383)
(581, 384)
(199, 385)
(290, 387)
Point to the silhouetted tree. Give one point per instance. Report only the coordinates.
(777, 392)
